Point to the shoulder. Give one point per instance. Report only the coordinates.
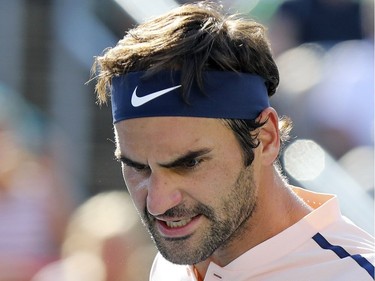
(340, 251)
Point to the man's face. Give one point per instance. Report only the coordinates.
(188, 182)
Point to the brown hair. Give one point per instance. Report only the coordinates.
(193, 38)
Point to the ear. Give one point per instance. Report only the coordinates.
(269, 136)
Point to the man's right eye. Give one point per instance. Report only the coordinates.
(140, 168)
(133, 165)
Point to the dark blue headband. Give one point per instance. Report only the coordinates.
(226, 94)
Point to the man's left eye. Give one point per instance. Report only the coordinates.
(192, 163)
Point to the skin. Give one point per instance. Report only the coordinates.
(190, 170)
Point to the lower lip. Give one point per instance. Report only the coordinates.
(177, 232)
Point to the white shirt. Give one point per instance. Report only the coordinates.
(304, 251)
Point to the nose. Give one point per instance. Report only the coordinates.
(163, 193)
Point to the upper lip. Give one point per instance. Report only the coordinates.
(173, 219)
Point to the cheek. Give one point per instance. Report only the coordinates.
(137, 190)
(214, 182)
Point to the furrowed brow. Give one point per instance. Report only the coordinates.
(186, 158)
(129, 162)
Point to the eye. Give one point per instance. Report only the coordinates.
(191, 163)
(131, 165)
(140, 168)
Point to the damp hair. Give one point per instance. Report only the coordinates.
(194, 38)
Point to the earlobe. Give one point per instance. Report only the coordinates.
(269, 136)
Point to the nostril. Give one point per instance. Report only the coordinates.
(159, 202)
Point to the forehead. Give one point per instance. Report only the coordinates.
(176, 134)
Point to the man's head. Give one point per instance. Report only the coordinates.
(188, 159)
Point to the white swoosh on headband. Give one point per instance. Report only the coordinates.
(138, 101)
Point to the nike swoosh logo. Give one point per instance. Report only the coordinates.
(138, 101)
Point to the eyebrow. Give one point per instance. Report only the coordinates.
(130, 163)
(190, 155)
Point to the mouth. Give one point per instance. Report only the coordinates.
(178, 228)
(178, 223)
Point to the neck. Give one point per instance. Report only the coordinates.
(277, 209)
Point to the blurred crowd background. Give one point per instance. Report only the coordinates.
(64, 210)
